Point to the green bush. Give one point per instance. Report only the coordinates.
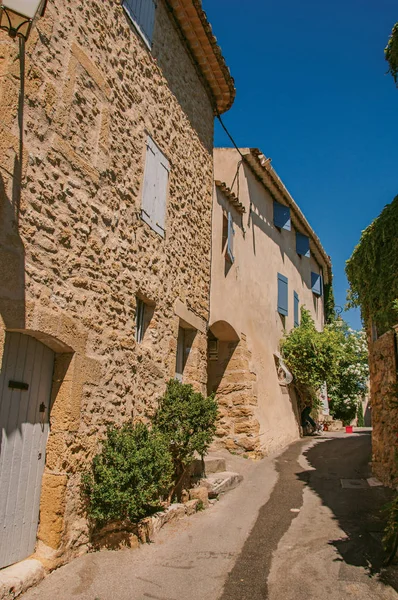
(360, 417)
(337, 355)
(129, 476)
(187, 419)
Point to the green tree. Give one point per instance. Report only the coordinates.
(187, 419)
(337, 355)
(360, 417)
(353, 372)
(391, 53)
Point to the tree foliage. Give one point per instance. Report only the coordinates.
(139, 465)
(353, 372)
(337, 355)
(391, 53)
(360, 416)
(372, 270)
(187, 419)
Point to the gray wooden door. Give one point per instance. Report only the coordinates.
(24, 426)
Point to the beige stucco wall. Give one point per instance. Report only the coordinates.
(245, 293)
(74, 251)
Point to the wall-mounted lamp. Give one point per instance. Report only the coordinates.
(17, 16)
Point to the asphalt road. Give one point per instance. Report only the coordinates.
(305, 525)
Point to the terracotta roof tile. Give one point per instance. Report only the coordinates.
(196, 29)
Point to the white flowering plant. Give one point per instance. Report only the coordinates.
(337, 355)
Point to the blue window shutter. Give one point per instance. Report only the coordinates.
(316, 283)
(296, 310)
(302, 244)
(282, 216)
(142, 13)
(282, 295)
(230, 243)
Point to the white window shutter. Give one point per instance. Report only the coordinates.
(230, 242)
(162, 177)
(155, 188)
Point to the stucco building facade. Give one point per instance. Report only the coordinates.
(266, 263)
(106, 171)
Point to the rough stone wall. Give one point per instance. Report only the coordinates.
(384, 403)
(74, 251)
(234, 381)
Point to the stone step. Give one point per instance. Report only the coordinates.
(213, 464)
(221, 482)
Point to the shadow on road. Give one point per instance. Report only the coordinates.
(358, 509)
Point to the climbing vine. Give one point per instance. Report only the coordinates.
(372, 270)
(391, 53)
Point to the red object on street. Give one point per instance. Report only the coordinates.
(348, 429)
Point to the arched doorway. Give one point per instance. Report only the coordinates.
(25, 391)
(232, 380)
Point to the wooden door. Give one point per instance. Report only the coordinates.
(25, 389)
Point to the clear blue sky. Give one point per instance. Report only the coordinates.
(313, 94)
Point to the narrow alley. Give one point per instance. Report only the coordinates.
(306, 524)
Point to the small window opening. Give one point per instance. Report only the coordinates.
(144, 313)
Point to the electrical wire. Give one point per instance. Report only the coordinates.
(229, 135)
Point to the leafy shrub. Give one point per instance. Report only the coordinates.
(391, 53)
(130, 474)
(187, 419)
(360, 417)
(337, 355)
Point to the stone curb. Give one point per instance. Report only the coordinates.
(18, 578)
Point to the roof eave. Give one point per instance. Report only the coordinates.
(262, 168)
(203, 46)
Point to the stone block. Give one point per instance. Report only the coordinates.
(192, 506)
(18, 578)
(52, 508)
(200, 493)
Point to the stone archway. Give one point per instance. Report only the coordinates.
(233, 381)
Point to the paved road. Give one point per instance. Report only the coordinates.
(303, 526)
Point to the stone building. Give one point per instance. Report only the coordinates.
(383, 372)
(266, 263)
(106, 171)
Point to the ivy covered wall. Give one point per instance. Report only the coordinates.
(372, 270)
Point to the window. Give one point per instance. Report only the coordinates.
(186, 336)
(142, 14)
(143, 316)
(230, 238)
(282, 216)
(180, 358)
(296, 310)
(140, 313)
(155, 188)
(213, 349)
(302, 244)
(316, 283)
(282, 295)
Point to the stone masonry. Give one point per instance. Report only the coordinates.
(233, 378)
(384, 402)
(74, 252)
